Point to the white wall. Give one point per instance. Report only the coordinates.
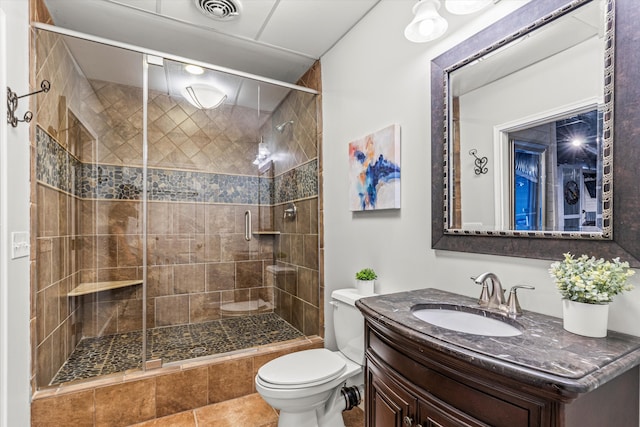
(375, 77)
(15, 355)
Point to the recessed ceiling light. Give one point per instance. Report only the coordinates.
(577, 142)
(194, 69)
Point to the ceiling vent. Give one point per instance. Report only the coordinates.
(220, 10)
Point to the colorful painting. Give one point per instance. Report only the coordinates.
(374, 170)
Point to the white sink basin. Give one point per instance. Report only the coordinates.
(469, 323)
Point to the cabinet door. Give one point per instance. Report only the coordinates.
(444, 416)
(388, 404)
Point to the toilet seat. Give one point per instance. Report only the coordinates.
(302, 369)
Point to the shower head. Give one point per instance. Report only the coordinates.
(281, 126)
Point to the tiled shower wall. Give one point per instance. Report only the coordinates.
(55, 326)
(89, 225)
(297, 293)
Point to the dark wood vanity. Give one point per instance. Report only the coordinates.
(421, 375)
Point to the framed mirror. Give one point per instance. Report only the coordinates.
(538, 104)
(530, 136)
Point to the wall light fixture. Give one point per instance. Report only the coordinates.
(428, 25)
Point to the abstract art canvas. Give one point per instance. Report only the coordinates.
(374, 170)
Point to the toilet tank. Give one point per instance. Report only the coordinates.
(348, 324)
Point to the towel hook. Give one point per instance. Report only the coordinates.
(12, 104)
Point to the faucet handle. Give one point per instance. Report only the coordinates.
(513, 306)
(483, 301)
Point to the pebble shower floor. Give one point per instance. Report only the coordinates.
(109, 354)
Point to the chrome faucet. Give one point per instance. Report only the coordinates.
(495, 298)
(513, 306)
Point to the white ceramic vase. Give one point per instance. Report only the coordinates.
(589, 320)
(365, 287)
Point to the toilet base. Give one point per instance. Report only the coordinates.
(327, 415)
(300, 419)
(309, 419)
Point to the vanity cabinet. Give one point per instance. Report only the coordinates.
(410, 384)
(392, 404)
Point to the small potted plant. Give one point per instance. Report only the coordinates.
(587, 286)
(365, 281)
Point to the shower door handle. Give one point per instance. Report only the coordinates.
(247, 225)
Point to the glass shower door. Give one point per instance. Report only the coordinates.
(204, 261)
(89, 262)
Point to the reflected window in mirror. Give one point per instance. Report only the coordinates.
(555, 175)
(528, 191)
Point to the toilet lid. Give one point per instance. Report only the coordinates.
(303, 367)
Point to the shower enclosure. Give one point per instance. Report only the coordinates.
(167, 227)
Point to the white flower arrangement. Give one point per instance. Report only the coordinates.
(590, 280)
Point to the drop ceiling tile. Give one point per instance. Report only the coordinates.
(149, 5)
(296, 32)
(313, 26)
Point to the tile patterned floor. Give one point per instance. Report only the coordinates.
(117, 353)
(247, 411)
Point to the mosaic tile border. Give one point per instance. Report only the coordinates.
(58, 168)
(296, 184)
(62, 169)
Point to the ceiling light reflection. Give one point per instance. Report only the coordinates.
(464, 7)
(194, 69)
(203, 96)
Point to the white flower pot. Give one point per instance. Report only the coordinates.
(589, 320)
(365, 287)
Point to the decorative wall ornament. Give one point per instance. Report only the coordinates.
(480, 163)
(374, 170)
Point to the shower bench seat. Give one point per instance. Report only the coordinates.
(93, 287)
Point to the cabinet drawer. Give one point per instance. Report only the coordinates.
(471, 398)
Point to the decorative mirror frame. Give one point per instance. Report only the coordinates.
(607, 112)
(625, 239)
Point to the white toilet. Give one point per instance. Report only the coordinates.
(307, 386)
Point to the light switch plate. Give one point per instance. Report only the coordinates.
(19, 244)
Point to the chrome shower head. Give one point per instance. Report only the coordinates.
(281, 126)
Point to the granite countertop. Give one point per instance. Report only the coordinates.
(544, 355)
